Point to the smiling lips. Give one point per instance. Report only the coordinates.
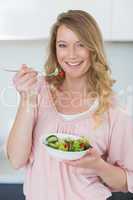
(76, 64)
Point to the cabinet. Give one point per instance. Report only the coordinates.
(100, 10)
(32, 19)
(122, 16)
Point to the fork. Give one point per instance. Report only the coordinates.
(54, 73)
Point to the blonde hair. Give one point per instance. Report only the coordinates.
(99, 73)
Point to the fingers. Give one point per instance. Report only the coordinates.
(27, 85)
(92, 151)
(26, 79)
(86, 161)
(24, 70)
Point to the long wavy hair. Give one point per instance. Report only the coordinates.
(99, 73)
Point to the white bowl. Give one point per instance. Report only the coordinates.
(62, 155)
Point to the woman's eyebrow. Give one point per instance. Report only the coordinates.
(61, 41)
(78, 41)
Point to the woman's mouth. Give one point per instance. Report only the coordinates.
(74, 64)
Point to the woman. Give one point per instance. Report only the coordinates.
(78, 100)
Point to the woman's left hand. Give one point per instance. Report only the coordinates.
(91, 160)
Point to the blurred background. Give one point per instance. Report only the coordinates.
(24, 33)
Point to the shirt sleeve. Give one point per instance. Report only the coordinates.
(120, 151)
(41, 84)
(41, 87)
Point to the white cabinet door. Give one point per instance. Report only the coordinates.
(122, 20)
(33, 19)
(100, 10)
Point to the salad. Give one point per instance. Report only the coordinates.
(68, 144)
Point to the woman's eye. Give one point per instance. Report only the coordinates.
(81, 45)
(62, 45)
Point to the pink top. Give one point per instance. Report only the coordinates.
(50, 179)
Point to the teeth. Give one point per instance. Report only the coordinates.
(74, 64)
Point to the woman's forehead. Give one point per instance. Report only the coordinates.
(66, 34)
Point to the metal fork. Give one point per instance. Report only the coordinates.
(54, 73)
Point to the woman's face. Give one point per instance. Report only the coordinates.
(71, 53)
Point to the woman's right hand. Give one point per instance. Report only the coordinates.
(25, 82)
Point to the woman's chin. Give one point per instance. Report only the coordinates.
(73, 74)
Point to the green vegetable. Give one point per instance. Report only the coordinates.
(53, 145)
(52, 138)
(68, 144)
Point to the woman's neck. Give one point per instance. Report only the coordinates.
(75, 85)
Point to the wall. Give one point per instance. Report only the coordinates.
(121, 63)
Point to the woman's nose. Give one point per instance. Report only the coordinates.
(72, 53)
